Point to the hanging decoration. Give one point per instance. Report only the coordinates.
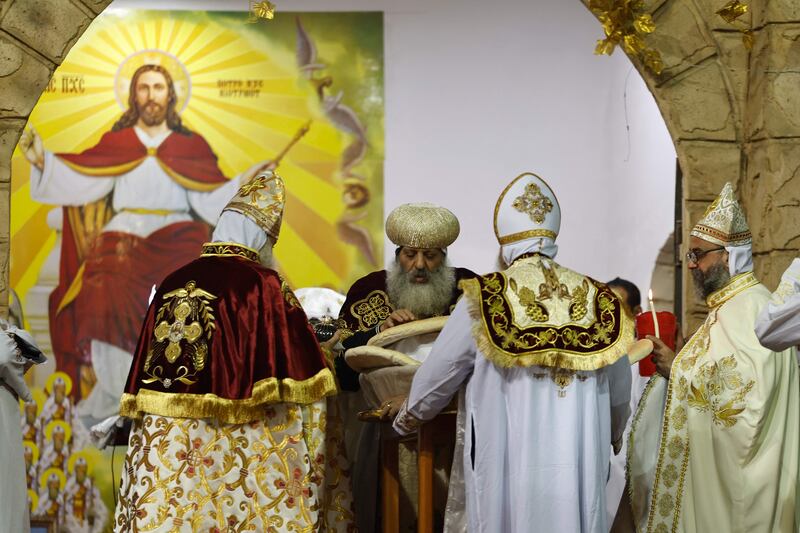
(264, 10)
(731, 13)
(625, 24)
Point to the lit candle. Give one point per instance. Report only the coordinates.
(653, 311)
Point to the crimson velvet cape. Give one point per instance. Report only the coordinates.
(223, 338)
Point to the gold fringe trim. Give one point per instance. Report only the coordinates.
(265, 392)
(187, 183)
(113, 170)
(548, 358)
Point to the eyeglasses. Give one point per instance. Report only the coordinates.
(693, 256)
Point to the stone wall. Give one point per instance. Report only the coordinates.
(734, 115)
(35, 36)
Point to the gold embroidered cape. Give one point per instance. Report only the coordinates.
(540, 313)
(727, 457)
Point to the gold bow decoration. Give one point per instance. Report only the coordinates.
(731, 13)
(625, 24)
(263, 10)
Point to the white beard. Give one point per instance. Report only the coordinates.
(423, 299)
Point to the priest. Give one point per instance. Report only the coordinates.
(229, 394)
(540, 348)
(419, 283)
(726, 454)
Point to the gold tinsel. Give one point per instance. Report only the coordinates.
(625, 24)
(730, 13)
(264, 10)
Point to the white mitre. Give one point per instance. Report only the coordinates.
(724, 224)
(527, 218)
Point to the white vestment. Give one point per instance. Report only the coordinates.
(726, 458)
(778, 325)
(147, 186)
(540, 451)
(13, 492)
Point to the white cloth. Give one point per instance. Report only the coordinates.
(543, 245)
(615, 487)
(235, 227)
(740, 259)
(541, 460)
(778, 325)
(147, 186)
(13, 490)
(12, 367)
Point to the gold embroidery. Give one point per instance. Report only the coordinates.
(562, 377)
(736, 285)
(534, 203)
(285, 471)
(288, 295)
(720, 390)
(223, 249)
(580, 302)
(189, 303)
(524, 331)
(373, 309)
(535, 310)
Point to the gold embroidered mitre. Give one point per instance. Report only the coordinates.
(724, 222)
(527, 209)
(261, 199)
(538, 313)
(422, 225)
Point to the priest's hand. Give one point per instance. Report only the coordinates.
(32, 146)
(401, 316)
(662, 356)
(391, 407)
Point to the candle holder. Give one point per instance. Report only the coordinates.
(645, 325)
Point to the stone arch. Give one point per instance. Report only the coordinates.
(734, 115)
(35, 36)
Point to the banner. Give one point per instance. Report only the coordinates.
(143, 134)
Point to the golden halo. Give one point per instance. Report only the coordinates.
(34, 499)
(152, 56)
(39, 397)
(62, 479)
(48, 387)
(33, 448)
(48, 430)
(80, 455)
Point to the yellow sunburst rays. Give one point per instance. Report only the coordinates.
(241, 131)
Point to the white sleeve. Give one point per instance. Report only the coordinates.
(778, 325)
(208, 205)
(438, 379)
(619, 384)
(58, 184)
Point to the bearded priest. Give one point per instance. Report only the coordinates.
(723, 454)
(419, 284)
(229, 394)
(540, 348)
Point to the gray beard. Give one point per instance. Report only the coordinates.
(423, 299)
(707, 284)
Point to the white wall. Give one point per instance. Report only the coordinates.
(478, 92)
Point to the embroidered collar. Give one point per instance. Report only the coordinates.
(736, 285)
(229, 249)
